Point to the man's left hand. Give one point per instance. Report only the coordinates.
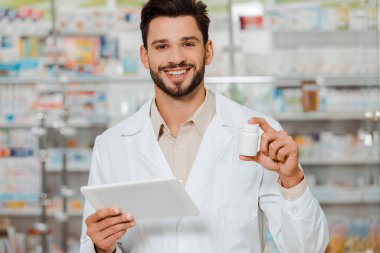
(278, 152)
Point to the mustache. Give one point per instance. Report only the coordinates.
(173, 65)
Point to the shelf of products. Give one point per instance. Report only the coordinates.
(320, 116)
(34, 212)
(341, 161)
(331, 48)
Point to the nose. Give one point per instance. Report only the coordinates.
(176, 55)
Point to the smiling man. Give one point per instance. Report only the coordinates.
(192, 134)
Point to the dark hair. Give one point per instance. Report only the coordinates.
(174, 8)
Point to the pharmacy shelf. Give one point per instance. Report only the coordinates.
(78, 79)
(88, 125)
(318, 116)
(32, 212)
(279, 81)
(22, 80)
(317, 39)
(82, 33)
(69, 170)
(18, 125)
(41, 34)
(332, 161)
(330, 194)
(18, 158)
(329, 81)
(348, 202)
(70, 124)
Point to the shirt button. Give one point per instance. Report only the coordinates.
(294, 210)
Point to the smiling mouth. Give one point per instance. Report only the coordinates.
(177, 73)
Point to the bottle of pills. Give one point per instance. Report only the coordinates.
(249, 139)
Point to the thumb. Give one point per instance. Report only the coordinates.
(250, 158)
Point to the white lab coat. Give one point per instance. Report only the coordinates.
(232, 195)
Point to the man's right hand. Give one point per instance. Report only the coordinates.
(106, 226)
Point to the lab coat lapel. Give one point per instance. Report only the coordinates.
(148, 145)
(215, 140)
(146, 142)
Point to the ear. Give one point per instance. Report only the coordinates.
(209, 52)
(144, 56)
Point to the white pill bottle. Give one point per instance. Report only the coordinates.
(249, 140)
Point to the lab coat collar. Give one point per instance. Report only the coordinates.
(219, 133)
(228, 113)
(135, 123)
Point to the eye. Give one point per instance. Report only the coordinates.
(189, 44)
(161, 46)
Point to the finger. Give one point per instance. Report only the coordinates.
(265, 161)
(116, 229)
(246, 158)
(267, 138)
(111, 240)
(278, 144)
(111, 221)
(289, 150)
(102, 214)
(262, 123)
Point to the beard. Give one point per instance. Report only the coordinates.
(179, 90)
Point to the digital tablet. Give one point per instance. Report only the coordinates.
(153, 199)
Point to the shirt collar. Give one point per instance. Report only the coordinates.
(204, 114)
(201, 118)
(157, 120)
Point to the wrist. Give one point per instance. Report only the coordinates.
(291, 181)
(97, 250)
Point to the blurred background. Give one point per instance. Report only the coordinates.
(69, 69)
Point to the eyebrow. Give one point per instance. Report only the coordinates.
(190, 38)
(159, 41)
(182, 39)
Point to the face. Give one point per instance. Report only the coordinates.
(176, 55)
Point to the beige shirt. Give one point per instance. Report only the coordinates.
(180, 151)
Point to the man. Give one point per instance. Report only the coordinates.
(192, 134)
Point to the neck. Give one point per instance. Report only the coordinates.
(176, 111)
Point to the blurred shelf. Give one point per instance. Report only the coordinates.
(318, 116)
(277, 81)
(349, 202)
(240, 80)
(319, 39)
(82, 33)
(33, 212)
(329, 81)
(19, 158)
(43, 33)
(69, 124)
(334, 161)
(18, 125)
(51, 88)
(340, 195)
(69, 169)
(87, 125)
(22, 80)
(76, 80)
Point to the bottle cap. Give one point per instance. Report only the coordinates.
(254, 128)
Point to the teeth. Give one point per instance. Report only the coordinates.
(177, 73)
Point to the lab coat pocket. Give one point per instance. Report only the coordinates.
(236, 191)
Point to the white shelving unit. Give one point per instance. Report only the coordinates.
(321, 116)
(315, 161)
(34, 212)
(349, 205)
